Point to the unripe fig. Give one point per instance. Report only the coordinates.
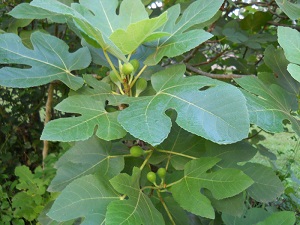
(151, 176)
(161, 172)
(127, 68)
(135, 63)
(136, 151)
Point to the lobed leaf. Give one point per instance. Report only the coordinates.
(84, 158)
(48, 61)
(223, 183)
(207, 113)
(180, 39)
(86, 197)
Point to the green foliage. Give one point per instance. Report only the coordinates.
(160, 116)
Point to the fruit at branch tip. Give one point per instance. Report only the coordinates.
(136, 151)
(151, 176)
(127, 68)
(161, 172)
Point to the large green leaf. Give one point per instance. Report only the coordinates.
(94, 116)
(280, 218)
(207, 113)
(289, 39)
(222, 184)
(137, 209)
(84, 158)
(268, 104)
(267, 186)
(49, 60)
(180, 40)
(292, 10)
(86, 197)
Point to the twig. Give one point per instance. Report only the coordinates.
(217, 76)
(212, 59)
(48, 118)
(284, 25)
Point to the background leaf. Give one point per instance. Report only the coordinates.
(138, 209)
(84, 158)
(207, 113)
(267, 186)
(280, 218)
(49, 60)
(290, 9)
(86, 197)
(289, 39)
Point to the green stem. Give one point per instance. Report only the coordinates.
(137, 76)
(169, 185)
(177, 153)
(112, 66)
(146, 160)
(166, 208)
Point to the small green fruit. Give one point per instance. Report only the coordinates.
(161, 172)
(113, 77)
(136, 151)
(135, 63)
(151, 176)
(127, 68)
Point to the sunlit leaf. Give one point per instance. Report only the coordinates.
(289, 39)
(207, 113)
(48, 61)
(222, 184)
(180, 40)
(292, 10)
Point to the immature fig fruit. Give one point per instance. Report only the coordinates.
(151, 176)
(127, 68)
(113, 77)
(140, 86)
(135, 63)
(136, 151)
(161, 172)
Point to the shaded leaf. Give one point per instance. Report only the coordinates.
(207, 113)
(267, 186)
(223, 183)
(86, 197)
(84, 158)
(180, 40)
(268, 104)
(232, 206)
(138, 209)
(251, 216)
(277, 62)
(49, 60)
(230, 154)
(183, 142)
